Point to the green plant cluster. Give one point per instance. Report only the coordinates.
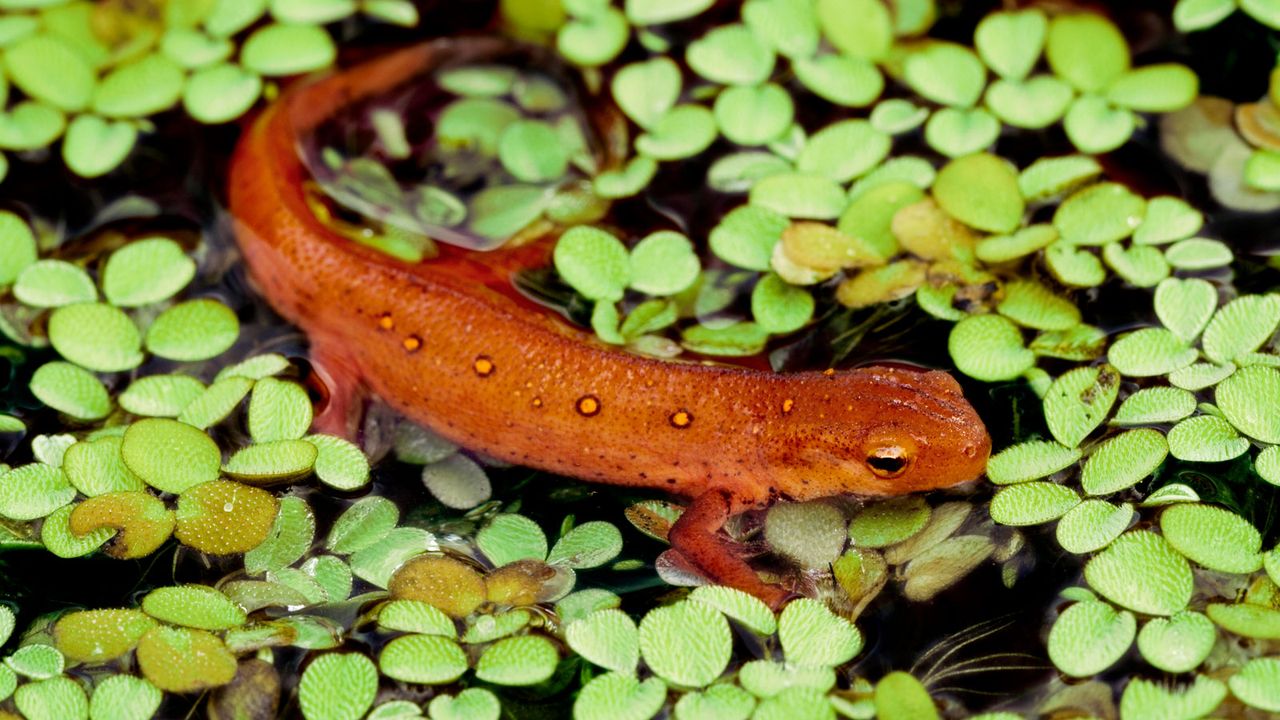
(93, 74)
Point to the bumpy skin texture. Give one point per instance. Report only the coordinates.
(447, 343)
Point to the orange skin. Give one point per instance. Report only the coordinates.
(447, 343)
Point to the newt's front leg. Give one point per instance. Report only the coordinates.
(695, 536)
(338, 379)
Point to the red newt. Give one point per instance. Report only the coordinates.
(448, 344)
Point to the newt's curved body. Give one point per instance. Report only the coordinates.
(447, 344)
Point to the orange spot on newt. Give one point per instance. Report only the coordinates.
(829, 372)
(588, 405)
(536, 402)
(681, 419)
(413, 343)
(386, 322)
(483, 366)
(787, 406)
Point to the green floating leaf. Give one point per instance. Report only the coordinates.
(989, 348)
(1150, 406)
(170, 456)
(1241, 326)
(338, 686)
(1123, 460)
(70, 389)
(94, 147)
(731, 55)
(415, 616)
(197, 606)
(888, 522)
(1086, 50)
(1074, 267)
(844, 150)
(17, 247)
(1179, 643)
(315, 12)
(721, 701)
(687, 643)
(1198, 376)
(998, 208)
(754, 115)
(290, 538)
(809, 534)
(273, 461)
(646, 12)
(1029, 461)
(1185, 306)
(1032, 503)
(1196, 254)
(594, 40)
(216, 402)
(767, 678)
(740, 607)
(57, 537)
(663, 263)
(620, 696)
(146, 271)
(1168, 219)
(193, 49)
(426, 659)
(36, 661)
(1081, 343)
(531, 151)
(1206, 438)
(1215, 538)
(192, 331)
(1092, 525)
(582, 603)
(29, 492)
(1139, 265)
(1078, 401)
(95, 336)
(1257, 684)
(1247, 399)
(518, 661)
(594, 262)
(1010, 42)
(683, 132)
(160, 395)
(360, 526)
(1033, 305)
(339, 464)
(1166, 581)
(780, 307)
(607, 638)
(30, 126)
(645, 91)
(1192, 15)
(278, 410)
(124, 697)
(59, 697)
(588, 545)
(220, 93)
(255, 368)
(945, 73)
(897, 115)
(899, 696)
(799, 195)
(138, 88)
(1159, 88)
(1003, 248)
(276, 50)
(1047, 177)
(224, 518)
(1100, 214)
(53, 283)
(50, 70)
(955, 132)
(470, 704)
(96, 467)
(1090, 637)
(813, 636)
(1246, 619)
(508, 538)
(737, 172)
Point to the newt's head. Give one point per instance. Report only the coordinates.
(877, 431)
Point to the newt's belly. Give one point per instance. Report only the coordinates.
(446, 343)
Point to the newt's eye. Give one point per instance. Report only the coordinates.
(888, 461)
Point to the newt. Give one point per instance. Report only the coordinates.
(447, 343)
